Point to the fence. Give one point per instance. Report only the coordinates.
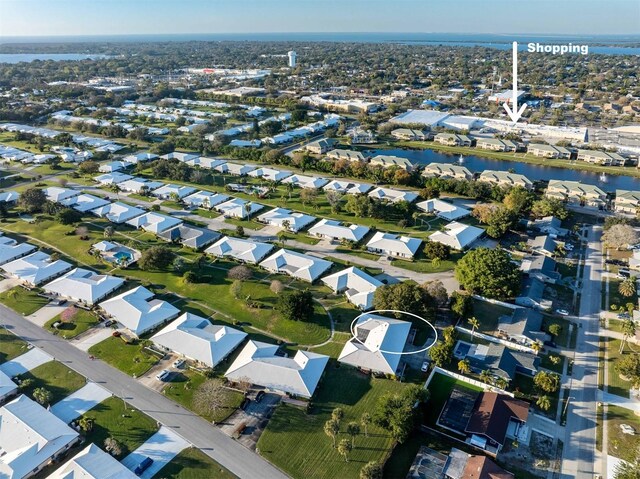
(495, 301)
(494, 339)
(460, 377)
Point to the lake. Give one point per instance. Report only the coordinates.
(533, 172)
(29, 57)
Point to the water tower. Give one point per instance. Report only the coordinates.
(292, 59)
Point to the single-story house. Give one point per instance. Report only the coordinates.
(550, 225)
(114, 178)
(499, 360)
(377, 344)
(30, 438)
(532, 295)
(540, 267)
(260, 364)
(357, 286)
(11, 250)
(205, 199)
(286, 219)
(169, 191)
(247, 251)
(299, 265)
(236, 169)
(7, 387)
(9, 196)
(443, 210)
(113, 166)
(206, 162)
(237, 208)
(197, 339)
(57, 194)
(154, 222)
(139, 185)
(36, 268)
(137, 311)
(335, 230)
(180, 156)
(457, 235)
(84, 202)
(140, 157)
(84, 286)
(118, 212)
(523, 326)
(393, 196)
(543, 244)
(270, 174)
(92, 463)
(348, 187)
(190, 236)
(393, 245)
(304, 181)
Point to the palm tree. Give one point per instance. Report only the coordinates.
(344, 448)
(502, 383)
(353, 429)
(108, 232)
(247, 211)
(628, 330)
(475, 324)
(86, 424)
(12, 293)
(42, 396)
(627, 288)
(337, 414)
(116, 189)
(464, 366)
(486, 377)
(365, 420)
(282, 236)
(536, 346)
(331, 429)
(286, 224)
(544, 402)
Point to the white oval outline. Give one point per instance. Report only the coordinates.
(423, 350)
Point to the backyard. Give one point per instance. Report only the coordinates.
(440, 388)
(488, 315)
(295, 441)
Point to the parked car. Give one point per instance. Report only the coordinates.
(143, 466)
(551, 344)
(59, 302)
(245, 403)
(178, 363)
(259, 396)
(109, 322)
(624, 316)
(626, 429)
(163, 375)
(425, 367)
(562, 312)
(568, 246)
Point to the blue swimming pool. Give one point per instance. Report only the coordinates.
(123, 256)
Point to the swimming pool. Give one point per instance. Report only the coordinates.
(122, 256)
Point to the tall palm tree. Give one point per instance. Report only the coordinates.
(485, 376)
(247, 211)
(536, 346)
(344, 448)
(464, 367)
(475, 324)
(544, 402)
(365, 420)
(628, 331)
(331, 429)
(627, 288)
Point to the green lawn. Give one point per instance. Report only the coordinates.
(424, 265)
(295, 441)
(192, 463)
(128, 358)
(56, 378)
(622, 446)
(10, 346)
(546, 363)
(524, 389)
(566, 337)
(617, 385)
(616, 298)
(22, 300)
(183, 386)
(359, 253)
(130, 427)
(488, 314)
(82, 321)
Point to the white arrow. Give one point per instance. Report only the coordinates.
(515, 114)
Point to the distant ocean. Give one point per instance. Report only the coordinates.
(606, 44)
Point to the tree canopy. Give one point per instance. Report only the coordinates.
(488, 272)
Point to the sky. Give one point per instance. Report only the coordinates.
(116, 17)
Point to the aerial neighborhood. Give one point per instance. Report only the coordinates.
(243, 261)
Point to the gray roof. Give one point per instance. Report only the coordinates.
(540, 263)
(542, 243)
(532, 288)
(523, 322)
(190, 236)
(503, 362)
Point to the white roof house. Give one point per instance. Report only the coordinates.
(457, 235)
(304, 181)
(112, 178)
(377, 344)
(247, 251)
(141, 156)
(137, 311)
(154, 222)
(57, 194)
(234, 168)
(205, 199)
(277, 216)
(30, 436)
(270, 174)
(393, 196)
(11, 250)
(442, 209)
(84, 202)
(113, 166)
(393, 245)
(137, 185)
(236, 208)
(166, 191)
(206, 162)
(93, 463)
(299, 265)
(118, 212)
(36, 268)
(357, 285)
(7, 386)
(9, 196)
(259, 363)
(196, 338)
(84, 286)
(180, 156)
(348, 187)
(335, 230)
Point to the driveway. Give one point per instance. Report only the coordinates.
(7, 284)
(255, 417)
(162, 447)
(46, 313)
(92, 337)
(149, 378)
(81, 401)
(25, 362)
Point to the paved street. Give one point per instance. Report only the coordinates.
(580, 432)
(191, 427)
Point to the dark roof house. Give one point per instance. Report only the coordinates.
(190, 236)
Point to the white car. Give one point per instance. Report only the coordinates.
(568, 246)
(178, 363)
(562, 312)
(425, 367)
(626, 429)
(163, 375)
